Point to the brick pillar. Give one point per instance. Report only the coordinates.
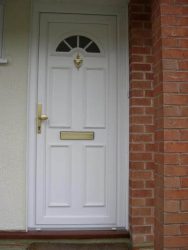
(169, 115)
(141, 124)
(170, 33)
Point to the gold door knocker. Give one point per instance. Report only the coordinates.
(78, 61)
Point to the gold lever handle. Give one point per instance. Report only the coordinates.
(43, 117)
(40, 117)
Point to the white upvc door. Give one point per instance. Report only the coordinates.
(76, 178)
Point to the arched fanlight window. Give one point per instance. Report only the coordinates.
(82, 42)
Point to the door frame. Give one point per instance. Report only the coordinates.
(118, 8)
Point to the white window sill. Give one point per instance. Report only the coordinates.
(3, 61)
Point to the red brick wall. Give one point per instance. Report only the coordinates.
(174, 58)
(141, 122)
(159, 122)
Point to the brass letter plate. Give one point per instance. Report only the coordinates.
(76, 135)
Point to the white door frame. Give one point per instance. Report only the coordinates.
(116, 8)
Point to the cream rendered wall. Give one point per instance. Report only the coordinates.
(13, 117)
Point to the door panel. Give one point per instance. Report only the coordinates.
(95, 89)
(77, 179)
(94, 172)
(60, 97)
(59, 176)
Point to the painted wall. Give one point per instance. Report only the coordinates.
(13, 105)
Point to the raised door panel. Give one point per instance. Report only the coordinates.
(95, 176)
(95, 97)
(60, 96)
(59, 170)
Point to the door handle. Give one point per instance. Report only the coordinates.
(40, 117)
(43, 117)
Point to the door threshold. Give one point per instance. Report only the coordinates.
(65, 234)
